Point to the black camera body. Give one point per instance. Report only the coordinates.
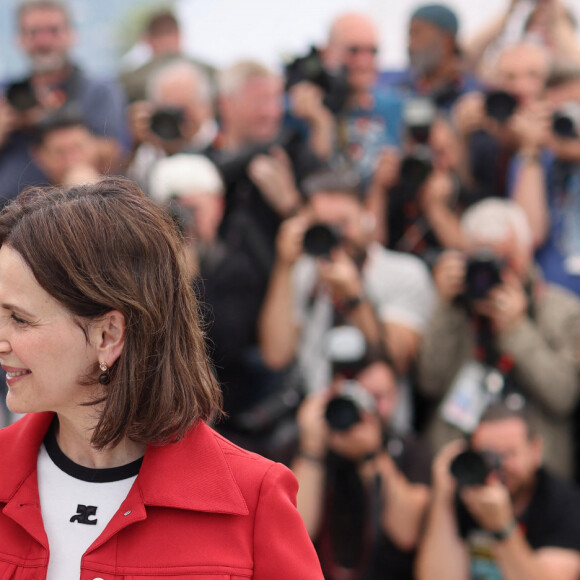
(483, 272)
(346, 409)
(564, 126)
(416, 168)
(320, 239)
(166, 123)
(500, 105)
(21, 96)
(234, 166)
(473, 467)
(310, 68)
(419, 115)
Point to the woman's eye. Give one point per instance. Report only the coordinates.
(18, 320)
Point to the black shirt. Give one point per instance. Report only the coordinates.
(552, 519)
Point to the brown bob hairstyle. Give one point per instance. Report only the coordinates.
(105, 246)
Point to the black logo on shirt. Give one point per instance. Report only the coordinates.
(83, 513)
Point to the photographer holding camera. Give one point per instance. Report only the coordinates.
(55, 84)
(348, 117)
(176, 117)
(512, 520)
(489, 123)
(329, 272)
(417, 197)
(362, 491)
(499, 330)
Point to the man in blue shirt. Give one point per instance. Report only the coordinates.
(55, 84)
(372, 116)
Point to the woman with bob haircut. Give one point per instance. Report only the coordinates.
(113, 471)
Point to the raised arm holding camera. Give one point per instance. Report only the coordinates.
(362, 485)
(495, 511)
(176, 117)
(489, 122)
(499, 330)
(321, 279)
(55, 84)
(334, 92)
(545, 180)
(417, 197)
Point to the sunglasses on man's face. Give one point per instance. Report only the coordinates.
(358, 49)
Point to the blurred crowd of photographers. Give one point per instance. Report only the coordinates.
(388, 264)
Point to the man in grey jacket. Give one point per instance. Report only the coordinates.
(500, 332)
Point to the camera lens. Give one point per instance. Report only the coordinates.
(341, 414)
(320, 239)
(470, 468)
(345, 410)
(482, 274)
(564, 126)
(500, 105)
(414, 170)
(473, 467)
(21, 96)
(166, 123)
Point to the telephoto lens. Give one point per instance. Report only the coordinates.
(21, 96)
(482, 274)
(345, 410)
(500, 105)
(320, 240)
(473, 467)
(166, 123)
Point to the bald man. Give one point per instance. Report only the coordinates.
(353, 43)
(372, 117)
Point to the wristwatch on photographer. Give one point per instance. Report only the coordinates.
(505, 532)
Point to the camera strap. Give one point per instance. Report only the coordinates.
(351, 522)
(417, 234)
(485, 378)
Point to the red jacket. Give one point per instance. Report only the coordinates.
(201, 508)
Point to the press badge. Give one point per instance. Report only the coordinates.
(475, 386)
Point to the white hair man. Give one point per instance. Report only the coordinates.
(177, 117)
(500, 331)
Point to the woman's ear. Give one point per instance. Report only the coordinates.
(108, 336)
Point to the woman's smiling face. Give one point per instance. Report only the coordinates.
(42, 349)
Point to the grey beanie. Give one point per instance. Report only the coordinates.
(439, 15)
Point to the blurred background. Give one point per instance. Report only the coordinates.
(222, 31)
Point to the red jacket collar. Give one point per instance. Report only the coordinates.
(192, 474)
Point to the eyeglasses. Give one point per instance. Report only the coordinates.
(358, 49)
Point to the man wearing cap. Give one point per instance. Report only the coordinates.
(435, 68)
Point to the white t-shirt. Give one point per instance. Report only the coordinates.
(76, 503)
(398, 285)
